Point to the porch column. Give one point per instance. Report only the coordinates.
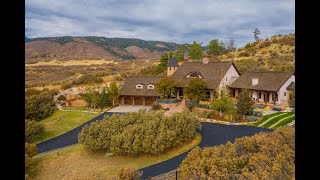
(178, 95)
(144, 101)
(122, 100)
(133, 101)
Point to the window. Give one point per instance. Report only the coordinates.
(226, 78)
(139, 86)
(195, 75)
(260, 95)
(170, 68)
(150, 86)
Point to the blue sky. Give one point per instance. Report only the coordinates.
(180, 21)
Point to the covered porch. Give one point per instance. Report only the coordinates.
(267, 97)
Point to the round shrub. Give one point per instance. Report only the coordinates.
(140, 132)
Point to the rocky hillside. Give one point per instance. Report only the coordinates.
(276, 53)
(92, 47)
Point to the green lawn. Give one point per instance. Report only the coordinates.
(268, 124)
(266, 117)
(286, 121)
(76, 163)
(62, 121)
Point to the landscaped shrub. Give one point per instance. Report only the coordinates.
(262, 156)
(32, 128)
(140, 132)
(129, 174)
(156, 106)
(30, 151)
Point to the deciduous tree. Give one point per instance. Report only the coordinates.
(165, 87)
(196, 89)
(113, 91)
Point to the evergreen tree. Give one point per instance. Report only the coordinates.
(195, 51)
(245, 103)
(104, 99)
(256, 34)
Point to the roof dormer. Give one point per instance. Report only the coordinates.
(195, 75)
(150, 86)
(139, 86)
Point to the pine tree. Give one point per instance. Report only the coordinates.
(256, 34)
(195, 51)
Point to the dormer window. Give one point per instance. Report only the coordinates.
(195, 75)
(150, 86)
(139, 86)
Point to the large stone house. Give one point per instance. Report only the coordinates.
(265, 87)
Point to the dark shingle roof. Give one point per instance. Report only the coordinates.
(173, 62)
(213, 72)
(129, 86)
(267, 81)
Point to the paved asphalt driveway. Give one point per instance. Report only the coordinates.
(68, 138)
(212, 135)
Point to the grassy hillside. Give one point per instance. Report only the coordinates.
(276, 53)
(67, 47)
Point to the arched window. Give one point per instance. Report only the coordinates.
(195, 75)
(139, 86)
(150, 86)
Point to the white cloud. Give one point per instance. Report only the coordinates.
(176, 21)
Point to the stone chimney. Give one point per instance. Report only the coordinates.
(255, 81)
(205, 60)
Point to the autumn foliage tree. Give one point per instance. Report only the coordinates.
(262, 156)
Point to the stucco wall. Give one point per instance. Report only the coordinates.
(281, 98)
(232, 72)
(255, 95)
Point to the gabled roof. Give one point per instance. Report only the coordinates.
(129, 86)
(173, 62)
(267, 81)
(291, 86)
(213, 72)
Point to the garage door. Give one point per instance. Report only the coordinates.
(127, 101)
(150, 100)
(138, 101)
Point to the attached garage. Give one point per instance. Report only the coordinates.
(127, 100)
(150, 100)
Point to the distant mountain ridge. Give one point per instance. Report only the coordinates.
(94, 47)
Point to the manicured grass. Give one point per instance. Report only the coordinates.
(268, 124)
(76, 163)
(62, 121)
(266, 117)
(286, 121)
(80, 108)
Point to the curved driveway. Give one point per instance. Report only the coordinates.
(212, 135)
(68, 138)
